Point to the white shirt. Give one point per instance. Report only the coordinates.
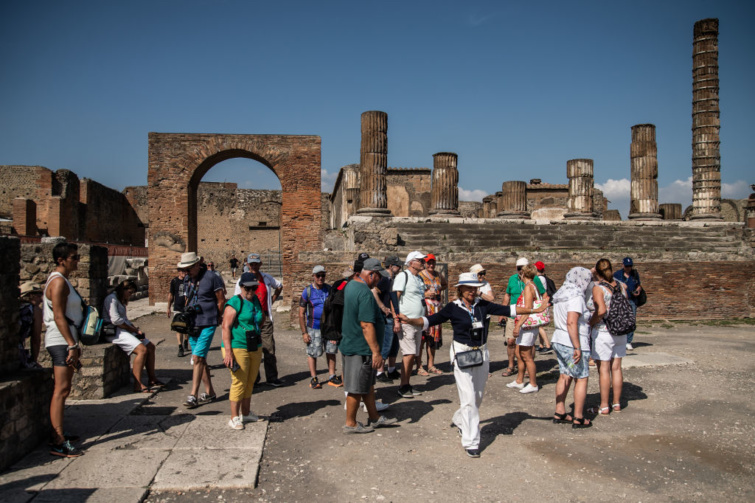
(412, 289)
(74, 313)
(560, 312)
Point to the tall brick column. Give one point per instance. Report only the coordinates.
(513, 200)
(373, 162)
(644, 158)
(670, 211)
(706, 123)
(581, 183)
(25, 217)
(444, 195)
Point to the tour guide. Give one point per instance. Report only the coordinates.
(467, 315)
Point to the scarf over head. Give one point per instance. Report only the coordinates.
(577, 281)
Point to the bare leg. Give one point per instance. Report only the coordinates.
(312, 366)
(369, 402)
(562, 389)
(151, 363)
(418, 358)
(522, 366)
(63, 376)
(527, 354)
(430, 356)
(580, 396)
(246, 406)
(352, 405)
(331, 363)
(604, 375)
(235, 409)
(511, 351)
(617, 376)
(140, 355)
(408, 365)
(207, 379)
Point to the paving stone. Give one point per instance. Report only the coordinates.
(105, 469)
(144, 432)
(652, 360)
(199, 468)
(107, 495)
(212, 432)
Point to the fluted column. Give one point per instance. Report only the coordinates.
(514, 200)
(498, 202)
(643, 153)
(581, 183)
(670, 211)
(373, 165)
(706, 123)
(489, 207)
(444, 195)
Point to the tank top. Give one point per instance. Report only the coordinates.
(53, 337)
(607, 294)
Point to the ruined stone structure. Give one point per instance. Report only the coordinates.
(670, 211)
(470, 209)
(177, 163)
(445, 190)
(513, 200)
(373, 165)
(409, 191)
(644, 157)
(489, 207)
(581, 185)
(706, 123)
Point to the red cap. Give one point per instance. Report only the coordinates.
(540, 266)
(430, 256)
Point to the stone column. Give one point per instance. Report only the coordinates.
(670, 211)
(444, 195)
(643, 153)
(513, 200)
(350, 184)
(498, 202)
(750, 210)
(706, 123)
(581, 183)
(489, 207)
(373, 162)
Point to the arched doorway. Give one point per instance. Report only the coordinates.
(177, 163)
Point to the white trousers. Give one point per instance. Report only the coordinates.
(470, 383)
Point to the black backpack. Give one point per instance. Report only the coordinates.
(332, 312)
(550, 288)
(619, 318)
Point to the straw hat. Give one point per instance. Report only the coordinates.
(30, 287)
(188, 260)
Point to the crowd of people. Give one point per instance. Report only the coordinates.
(376, 310)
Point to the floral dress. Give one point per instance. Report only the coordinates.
(433, 335)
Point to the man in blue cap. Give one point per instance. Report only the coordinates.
(631, 278)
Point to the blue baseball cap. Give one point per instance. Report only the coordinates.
(628, 262)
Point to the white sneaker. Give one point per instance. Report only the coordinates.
(251, 418)
(236, 423)
(629, 347)
(191, 361)
(529, 389)
(514, 384)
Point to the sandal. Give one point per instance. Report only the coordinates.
(616, 407)
(143, 389)
(434, 370)
(598, 411)
(156, 384)
(581, 422)
(422, 372)
(508, 372)
(561, 418)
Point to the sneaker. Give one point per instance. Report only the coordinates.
(382, 422)
(514, 384)
(181, 353)
(250, 418)
(473, 453)
(191, 402)
(629, 347)
(529, 389)
(314, 383)
(236, 423)
(335, 381)
(276, 383)
(68, 438)
(205, 398)
(383, 378)
(65, 450)
(405, 392)
(394, 375)
(359, 428)
(414, 391)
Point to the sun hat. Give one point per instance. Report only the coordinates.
(628, 262)
(318, 268)
(468, 279)
(30, 287)
(415, 255)
(373, 264)
(248, 279)
(540, 266)
(253, 258)
(522, 262)
(188, 260)
(477, 268)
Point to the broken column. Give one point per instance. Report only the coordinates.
(444, 195)
(489, 207)
(351, 189)
(706, 123)
(580, 202)
(513, 200)
(373, 165)
(670, 211)
(644, 158)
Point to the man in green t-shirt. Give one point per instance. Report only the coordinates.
(513, 292)
(360, 347)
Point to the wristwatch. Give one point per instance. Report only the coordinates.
(75, 346)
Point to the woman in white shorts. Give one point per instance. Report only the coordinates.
(129, 338)
(607, 350)
(526, 337)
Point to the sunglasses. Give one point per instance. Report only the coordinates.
(250, 288)
(482, 273)
(320, 275)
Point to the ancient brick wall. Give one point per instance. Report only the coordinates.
(470, 209)
(19, 181)
(409, 191)
(107, 216)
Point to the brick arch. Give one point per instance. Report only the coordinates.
(177, 163)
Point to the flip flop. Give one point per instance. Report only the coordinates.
(156, 384)
(143, 390)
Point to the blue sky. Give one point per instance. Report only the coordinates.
(514, 88)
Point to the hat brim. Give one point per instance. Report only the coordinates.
(469, 283)
(186, 265)
(250, 283)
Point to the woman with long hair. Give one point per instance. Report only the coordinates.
(526, 337)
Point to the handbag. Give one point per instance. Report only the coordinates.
(534, 320)
(468, 359)
(182, 323)
(642, 298)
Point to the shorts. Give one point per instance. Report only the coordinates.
(128, 342)
(200, 345)
(566, 365)
(358, 374)
(527, 336)
(409, 339)
(58, 355)
(605, 346)
(317, 345)
(509, 330)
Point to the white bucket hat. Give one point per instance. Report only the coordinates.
(188, 260)
(522, 262)
(468, 279)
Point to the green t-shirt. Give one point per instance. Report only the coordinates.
(516, 286)
(359, 305)
(249, 317)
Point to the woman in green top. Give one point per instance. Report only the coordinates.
(242, 318)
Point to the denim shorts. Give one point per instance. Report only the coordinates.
(317, 345)
(566, 365)
(200, 344)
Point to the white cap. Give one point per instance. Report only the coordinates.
(477, 268)
(468, 279)
(522, 262)
(415, 255)
(318, 268)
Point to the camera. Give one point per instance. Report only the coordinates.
(476, 334)
(193, 309)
